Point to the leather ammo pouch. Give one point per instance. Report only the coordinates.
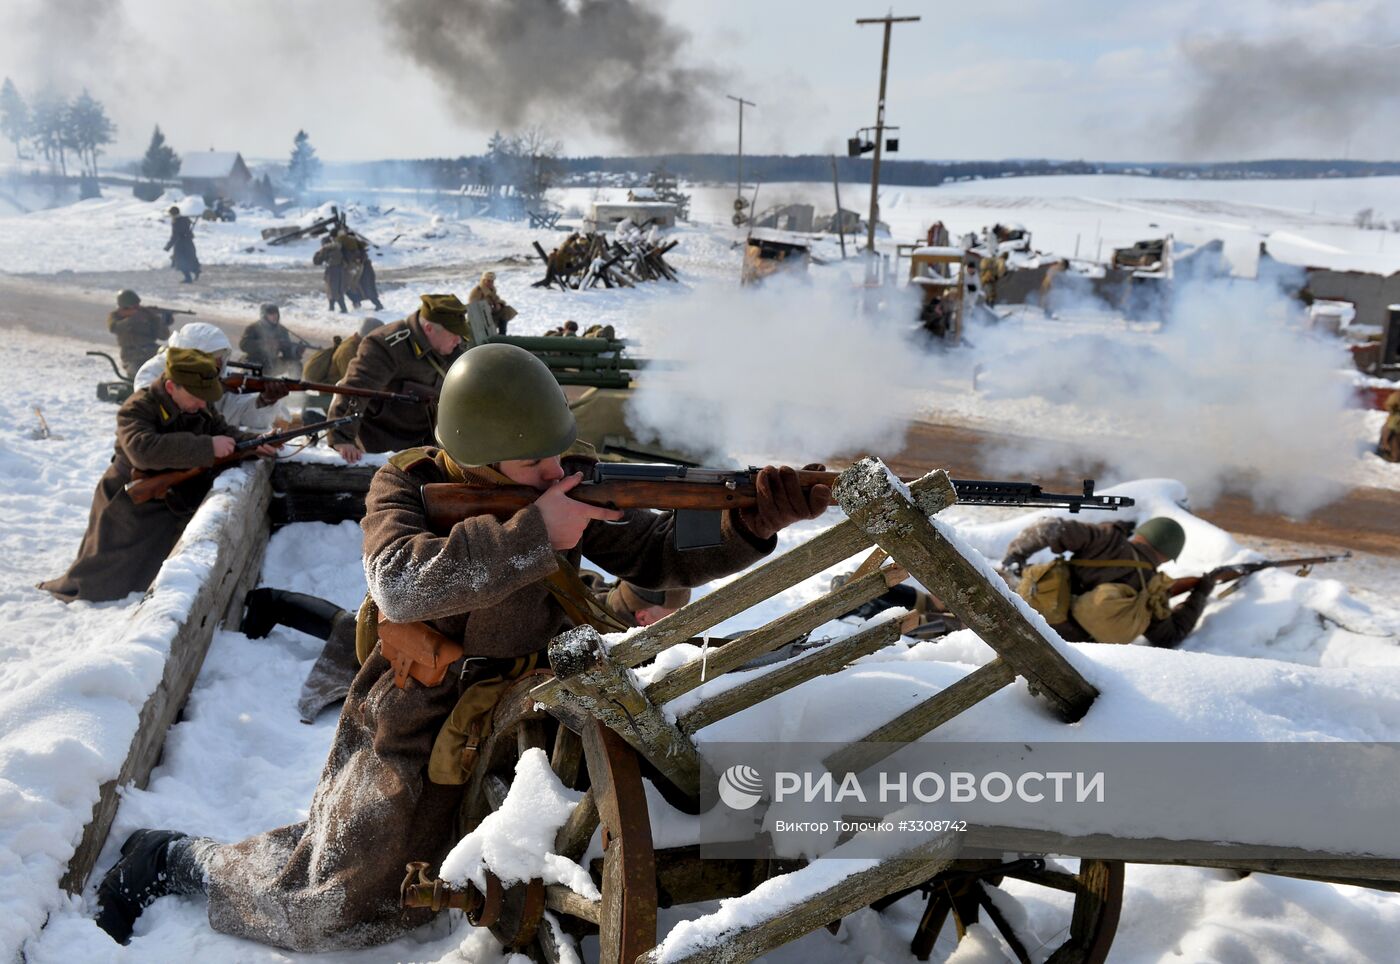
(417, 650)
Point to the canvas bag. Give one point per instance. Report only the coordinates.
(1118, 613)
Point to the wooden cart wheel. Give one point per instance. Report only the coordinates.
(963, 894)
(604, 765)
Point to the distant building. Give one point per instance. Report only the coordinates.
(608, 216)
(216, 174)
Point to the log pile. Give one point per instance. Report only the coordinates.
(630, 257)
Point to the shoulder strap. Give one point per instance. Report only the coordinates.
(1111, 563)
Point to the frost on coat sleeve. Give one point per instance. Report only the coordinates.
(414, 574)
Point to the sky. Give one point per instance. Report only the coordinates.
(1188, 80)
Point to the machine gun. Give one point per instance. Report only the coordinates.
(700, 495)
(145, 486)
(1235, 574)
(115, 392)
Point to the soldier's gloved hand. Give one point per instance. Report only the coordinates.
(272, 394)
(1013, 564)
(566, 518)
(781, 501)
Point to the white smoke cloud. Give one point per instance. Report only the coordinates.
(788, 369)
(1228, 394)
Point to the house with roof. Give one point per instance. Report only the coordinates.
(216, 174)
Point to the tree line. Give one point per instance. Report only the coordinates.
(54, 127)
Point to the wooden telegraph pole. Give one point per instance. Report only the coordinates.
(889, 21)
(739, 183)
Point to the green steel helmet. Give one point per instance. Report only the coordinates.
(500, 402)
(126, 298)
(1165, 535)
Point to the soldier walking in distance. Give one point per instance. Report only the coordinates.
(360, 283)
(183, 256)
(331, 257)
(410, 356)
(139, 330)
(1389, 446)
(485, 290)
(485, 597)
(169, 425)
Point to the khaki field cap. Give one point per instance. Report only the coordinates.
(197, 372)
(632, 598)
(499, 403)
(445, 311)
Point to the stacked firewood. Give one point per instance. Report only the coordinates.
(630, 257)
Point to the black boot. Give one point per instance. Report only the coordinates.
(138, 878)
(267, 608)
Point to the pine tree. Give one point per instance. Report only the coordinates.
(89, 129)
(14, 117)
(48, 119)
(304, 166)
(161, 162)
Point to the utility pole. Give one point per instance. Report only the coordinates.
(739, 183)
(889, 20)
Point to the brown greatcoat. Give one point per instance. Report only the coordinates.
(138, 330)
(1389, 447)
(183, 257)
(398, 358)
(1106, 540)
(332, 881)
(332, 257)
(125, 544)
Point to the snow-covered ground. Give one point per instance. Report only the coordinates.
(1321, 660)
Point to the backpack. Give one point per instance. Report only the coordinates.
(1118, 613)
(1046, 587)
(319, 367)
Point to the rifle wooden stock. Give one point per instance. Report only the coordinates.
(1235, 573)
(448, 503)
(145, 486)
(258, 383)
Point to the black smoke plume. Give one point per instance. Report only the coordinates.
(617, 66)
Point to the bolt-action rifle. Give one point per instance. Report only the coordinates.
(145, 486)
(699, 495)
(1234, 574)
(257, 382)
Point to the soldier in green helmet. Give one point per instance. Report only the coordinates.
(1111, 568)
(139, 330)
(450, 619)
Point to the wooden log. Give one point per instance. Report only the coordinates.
(597, 685)
(831, 658)
(556, 946)
(316, 492)
(770, 636)
(1362, 869)
(566, 757)
(912, 724)
(801, 562)
(823, 905)
(562, 900)
(898, 521)
(573, 838)
(238, 559)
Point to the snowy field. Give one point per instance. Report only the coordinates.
(1283, 659)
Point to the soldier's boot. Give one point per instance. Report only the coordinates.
(266, 608)
(138, 878)
(378, 305)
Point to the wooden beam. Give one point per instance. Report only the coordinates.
(898, 521)
(831, 658)
(912, 724)
(770, 636)
(820, 907)
(573, 838)
(1364, 870)
(241, 540)
(606, 691)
